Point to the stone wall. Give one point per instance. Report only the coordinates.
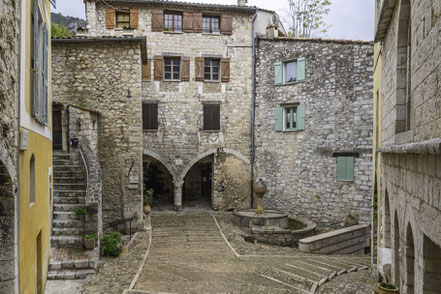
(9, 97)
(300, 167)
(106, 76)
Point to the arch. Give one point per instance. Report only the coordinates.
(163, 162)
(396, 251)
(432, 270)
(209, 152)
(410, 260)
(386, 221)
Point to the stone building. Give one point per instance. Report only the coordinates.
(408, 32)
(314, 127)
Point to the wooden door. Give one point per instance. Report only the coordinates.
(57, 132)
(206, 178)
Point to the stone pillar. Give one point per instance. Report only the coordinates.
(177, 198)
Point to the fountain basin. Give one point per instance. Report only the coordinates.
(270, 218)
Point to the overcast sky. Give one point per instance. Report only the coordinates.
(350, 19)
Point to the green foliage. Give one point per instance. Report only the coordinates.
(80, 211)
(388, 286)
(82, 105)
(111, 244)
(306, 18)
(148, 195)
(59, 31)
(351, 217)
(294, 224)
(90, 236)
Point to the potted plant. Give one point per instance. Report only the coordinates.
(166, 28)
(80, 212)
(89, 241)
(148, 199)
(350, 220)
(384, 288)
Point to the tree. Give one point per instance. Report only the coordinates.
(59, 31)
(305, 18)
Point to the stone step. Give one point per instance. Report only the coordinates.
(66, 215)
(68, 173)
(68, 232)
(71, 274)
(69, 186)
(73, 264)
(62, 162)
(57, 156)
(67, 207)
(73, 168)
(69, 193)
(67, 224)
(67, 241)
(69, 200)
(69, 180)
(297, 283)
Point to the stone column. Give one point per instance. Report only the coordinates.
(177, 199)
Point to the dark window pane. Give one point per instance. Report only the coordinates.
(215, 77)
(207, 62)
(167, 61)
(215, 62)
(168, 68)
(150, 116)
(176, 76)
(167, 76)
(207, 76)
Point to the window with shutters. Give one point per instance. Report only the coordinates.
(289, 72)
(149, 116)
(211, 117)
(172, 68)
(211, 69)
(173, 21)
(122, 20)
(345, 168)
(290, 118)
(211, 24)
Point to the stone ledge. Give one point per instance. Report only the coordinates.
(425, 147)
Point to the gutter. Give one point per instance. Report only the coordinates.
(253, 108)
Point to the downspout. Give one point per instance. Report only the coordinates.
(253, 107)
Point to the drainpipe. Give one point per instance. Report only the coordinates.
(253, 108)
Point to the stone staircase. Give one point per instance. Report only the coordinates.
(68, 227)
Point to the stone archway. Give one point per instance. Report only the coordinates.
(386, 222)
(432, 269)
(396, 251)
(410, 260)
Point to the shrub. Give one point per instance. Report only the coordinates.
(110, 244)
(90, 236)
(148, 195)
(80, 211)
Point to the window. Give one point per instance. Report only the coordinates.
(211, 117)
(290, 71)
(149, 116)
(345, 168)
(32, 180)
(173, 21)
(122, 19)
(210, 25)
(211, 71)
(290, 118)
(171, 68)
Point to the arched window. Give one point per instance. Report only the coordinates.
(32, 180)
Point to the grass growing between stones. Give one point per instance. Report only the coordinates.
(294, 224)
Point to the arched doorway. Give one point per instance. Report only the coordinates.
(158, 177)
(386, 222)
(197, 191)
(432, 268)
(396, 251)
(410, 260)
(7, 238)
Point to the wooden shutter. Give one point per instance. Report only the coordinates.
(36, 69)
(225, 69)
(157, 20)
(188, 22)
(211, 117)
(341, 162)
(278, 118)
(45, 75)
(227, 24)
(134, 18)
(301, 109)
(110, 18)
(150, 116)
(146, 71)
(199, 68)
(345, 168)
(158, 68)
(300, 69)
(197, 22)
(278, 73)
(185, 69)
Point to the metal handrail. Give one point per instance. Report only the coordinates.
(120, 221)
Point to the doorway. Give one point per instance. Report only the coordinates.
(57, 129)
(198, 185)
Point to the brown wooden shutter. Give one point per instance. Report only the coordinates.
(225, 69)
(134, 19)
(197, 22)
(146, 71)
(199, 68)
(185, 69)
(211, 117)
(227, 24)
(110, 18)
(149, 116)
(188, 22)
(157, 20)
(158, 68)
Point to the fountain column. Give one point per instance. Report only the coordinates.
(177, 197)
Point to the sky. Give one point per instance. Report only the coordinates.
(349, 19)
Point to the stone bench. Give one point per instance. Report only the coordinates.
(350, 240)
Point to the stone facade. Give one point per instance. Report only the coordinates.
(105, 75)
(300, 167)
(9, 97)
(411, 140)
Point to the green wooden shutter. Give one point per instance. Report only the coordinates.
(349, 169)
(36, 69)
(300, 69)
(278, 116)
(45, 75)
(341, 163)
(301, 109)
(278, 76)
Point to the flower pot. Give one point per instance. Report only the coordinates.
(383, 290)
(147, 208)
(89, 244)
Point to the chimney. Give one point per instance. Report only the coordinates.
(242, 2)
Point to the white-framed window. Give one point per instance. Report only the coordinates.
(288, 72)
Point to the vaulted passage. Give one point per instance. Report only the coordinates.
(432, 267)
(410, 260)
(396, 252)
(198, 184)
(158, 178)
(7, 260)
